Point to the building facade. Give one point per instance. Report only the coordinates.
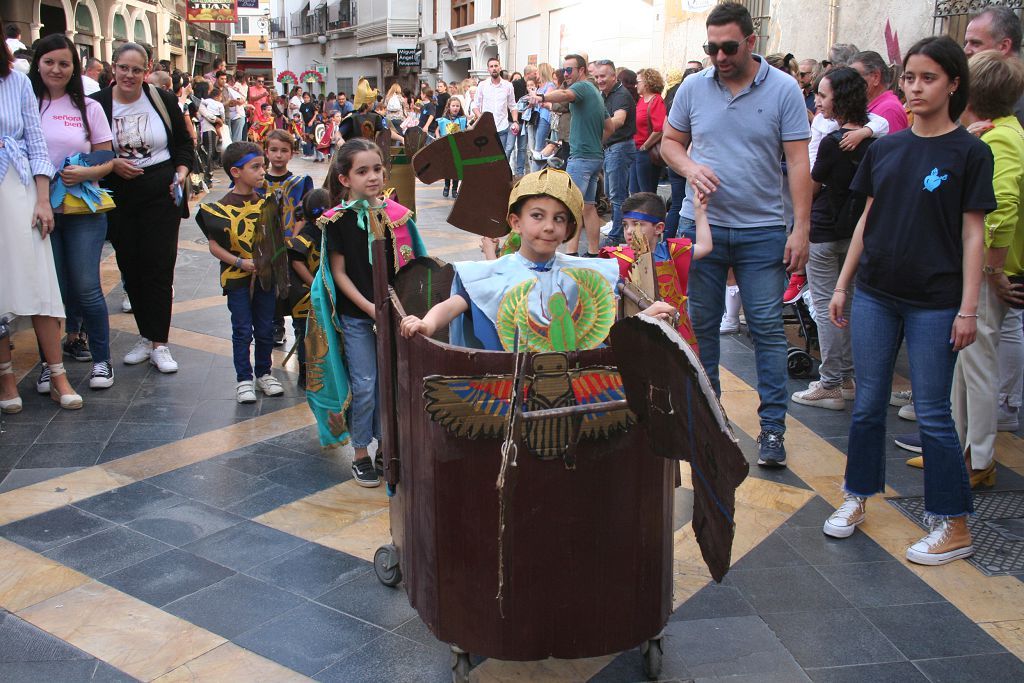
(98, 27)
(329, 45)
(249, 39)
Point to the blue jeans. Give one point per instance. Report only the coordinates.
(520, 146)
(584, 173)
(361, 359)
(503, 136)
(617, 160)
(237, 129)
(875, 328)
(678, 185)
(77, 247)
(755, 255)
(251, 316)
(540, 140)
(643, 175)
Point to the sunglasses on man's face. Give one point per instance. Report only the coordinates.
(729, 47)
(568, 69)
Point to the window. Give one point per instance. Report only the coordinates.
(462, 13)
(761, 13)
(140, 32)
(83, 19)
(120, 28)
(241, 26)
(952, 16)
(495, 9)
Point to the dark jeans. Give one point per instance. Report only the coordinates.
(144, 231)
(252, 315)
(643, 175)
(210, 141)
(678, 185)
(875, 328)
(299, 325)
(77, 246)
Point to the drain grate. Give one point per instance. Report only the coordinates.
(997, 528)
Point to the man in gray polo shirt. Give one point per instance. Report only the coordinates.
(741, 117)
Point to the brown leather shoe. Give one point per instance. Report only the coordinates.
(949, 540)
(985, 477)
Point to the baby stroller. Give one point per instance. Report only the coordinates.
(798, 310)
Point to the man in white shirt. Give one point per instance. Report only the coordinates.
(233, 101)
(498, 97)
(210, 112)
(14, 39)
(90, 76)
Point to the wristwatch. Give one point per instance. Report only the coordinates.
(989, 270)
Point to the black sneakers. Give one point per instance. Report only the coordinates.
(771, 449)
(278, 335)
(364, 473)
(102, 376)
(77, 348)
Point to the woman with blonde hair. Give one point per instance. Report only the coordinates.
(650, 120)
(395, 103)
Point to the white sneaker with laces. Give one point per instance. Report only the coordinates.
(843, 522)
(729, 325)
(907, 412)
(245, 392)
(269, 385)
(161, 358)
(140, 352)
(898, 399)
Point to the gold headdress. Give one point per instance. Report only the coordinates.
(552, 183)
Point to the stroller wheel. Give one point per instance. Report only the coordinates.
(799, 363)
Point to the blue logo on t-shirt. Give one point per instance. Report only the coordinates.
(933, 180)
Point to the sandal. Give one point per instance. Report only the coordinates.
(70, 401)
(12, 405)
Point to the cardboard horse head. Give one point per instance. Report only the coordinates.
(477, 158)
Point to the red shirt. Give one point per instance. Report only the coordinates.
(657, 117)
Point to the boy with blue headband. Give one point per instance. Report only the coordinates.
(233, 227)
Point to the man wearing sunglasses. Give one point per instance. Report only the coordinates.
(727, 131)
(586, 153)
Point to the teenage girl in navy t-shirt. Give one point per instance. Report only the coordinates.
(917, 254)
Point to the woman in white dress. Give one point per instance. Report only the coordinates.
(28, 278)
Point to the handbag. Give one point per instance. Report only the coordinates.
(654, 152)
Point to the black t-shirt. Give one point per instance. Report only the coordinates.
(308, 111)
(835, 169)
(441, 107)
(346, 237)
(426, 111)
(619, 98)
(913, 246)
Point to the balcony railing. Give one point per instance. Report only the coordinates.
(341, 15)
(277, 30)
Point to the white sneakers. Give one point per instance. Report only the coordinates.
(126, 304)
(269, 385)
(139, 353)
(160, 358)
(245, 392)
(843, 522)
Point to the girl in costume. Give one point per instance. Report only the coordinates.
(262, 123)
(304, 258)
(340, 339)
(536, 299)
(643, 216)
(453, 120)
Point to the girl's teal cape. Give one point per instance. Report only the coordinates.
(327, 386)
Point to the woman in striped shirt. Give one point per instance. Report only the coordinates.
(28, 278)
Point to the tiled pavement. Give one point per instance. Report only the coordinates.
(164, 532)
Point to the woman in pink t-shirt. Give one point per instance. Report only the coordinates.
(73, 124)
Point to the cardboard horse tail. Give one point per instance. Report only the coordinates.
(477, 158)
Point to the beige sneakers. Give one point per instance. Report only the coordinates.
(949, 540)
(843, 522)
(819, 397)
